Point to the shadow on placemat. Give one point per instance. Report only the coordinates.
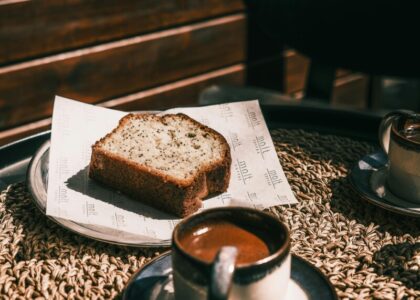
(353, 206)
(80, 183)
(399, 261)
(331, 226)
(45, 260)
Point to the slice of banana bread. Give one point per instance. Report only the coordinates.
(170, 162)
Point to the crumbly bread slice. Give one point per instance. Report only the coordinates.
(170, 162)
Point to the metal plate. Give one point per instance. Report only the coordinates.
(37, 181)
(154, 281)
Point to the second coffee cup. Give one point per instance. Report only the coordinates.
(399, 135)
(231, 253)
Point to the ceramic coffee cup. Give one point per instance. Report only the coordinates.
(231, 253)
(399, 136)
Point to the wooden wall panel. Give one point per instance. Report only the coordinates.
(45, 26)
(118, 68)
(180, 93)
(177, 94)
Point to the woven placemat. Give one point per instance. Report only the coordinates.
(365, 251)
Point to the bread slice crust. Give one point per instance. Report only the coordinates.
(179, 196)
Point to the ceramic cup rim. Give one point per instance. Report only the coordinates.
(398, 137)
(279, 254)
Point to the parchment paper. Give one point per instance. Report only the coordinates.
(257, 178)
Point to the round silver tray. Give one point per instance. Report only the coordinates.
(37, 180)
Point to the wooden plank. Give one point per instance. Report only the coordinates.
(19, 132)
(296, 70)
(180, 93)
(119, 68)
(45, 27)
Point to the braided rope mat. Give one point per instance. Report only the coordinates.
(366, 252)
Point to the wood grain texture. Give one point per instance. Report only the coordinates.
(46, 27)
(119, 68)
(179, 93)
(13, 134)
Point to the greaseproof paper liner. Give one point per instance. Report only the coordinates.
(257, 178)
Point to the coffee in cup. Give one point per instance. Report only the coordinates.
(241, 248)
(399, 135)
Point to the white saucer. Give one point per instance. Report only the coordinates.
(369, 179)
(154, 282)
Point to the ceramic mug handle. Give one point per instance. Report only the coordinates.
(222, 273)
(385, 127)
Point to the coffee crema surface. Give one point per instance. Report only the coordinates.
(205, 240)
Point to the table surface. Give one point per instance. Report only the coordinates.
(364, 251)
